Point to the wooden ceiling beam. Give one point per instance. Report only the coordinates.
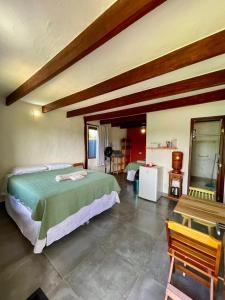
(115, 19)
(198, 51)
(124, 124)
(183, 86)
(186, 101)
(132, 125)
(141, 117)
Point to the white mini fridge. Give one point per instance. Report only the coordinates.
(150, 183)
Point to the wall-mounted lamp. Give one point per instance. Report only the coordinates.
(35, 113)
(143, 130)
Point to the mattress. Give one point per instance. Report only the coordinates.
(52, 202)
(30, 228)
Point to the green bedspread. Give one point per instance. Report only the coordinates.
(51, 202)
(133, 166)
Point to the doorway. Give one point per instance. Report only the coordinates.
(92, 138)
(206, 160)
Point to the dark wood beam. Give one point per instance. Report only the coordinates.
(198, 51)
(186, 101)
(132, 125)
(115, 19)
(127, 124)
(141, 117)
(183, 86)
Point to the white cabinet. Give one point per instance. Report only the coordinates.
(150, 183)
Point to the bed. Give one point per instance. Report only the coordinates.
(132, 168)
(46, 210)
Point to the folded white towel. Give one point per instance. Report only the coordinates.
(72, 176)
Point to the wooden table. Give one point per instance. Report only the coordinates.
(203, 210)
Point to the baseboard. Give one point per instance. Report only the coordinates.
(164, 195)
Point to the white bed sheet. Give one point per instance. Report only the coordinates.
(30, 228)
(131, 175)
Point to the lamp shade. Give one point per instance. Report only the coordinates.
(177, 160)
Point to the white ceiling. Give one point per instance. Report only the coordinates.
(32, 32)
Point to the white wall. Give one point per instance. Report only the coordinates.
(205, 149)
(175, 124)
(27, 140)
(117, 135)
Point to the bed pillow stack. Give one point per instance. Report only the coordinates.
(28, 169)
(57, 166)
(39, 168)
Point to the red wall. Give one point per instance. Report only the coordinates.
(138, 143)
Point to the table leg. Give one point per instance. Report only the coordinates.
(189, 222)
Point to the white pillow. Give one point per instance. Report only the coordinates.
(56, 166)
(28, 169)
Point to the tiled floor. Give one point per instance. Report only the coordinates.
(121, 254)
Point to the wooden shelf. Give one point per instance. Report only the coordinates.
(179, 179)
(117, 164)
(161, 148)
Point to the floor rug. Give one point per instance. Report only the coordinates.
(38, 295)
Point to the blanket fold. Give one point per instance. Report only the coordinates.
(71, 176)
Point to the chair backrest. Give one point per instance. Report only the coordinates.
(193, 247)
(201, 193)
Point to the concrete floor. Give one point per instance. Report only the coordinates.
(121, 254)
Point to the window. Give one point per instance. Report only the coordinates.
(92, 140)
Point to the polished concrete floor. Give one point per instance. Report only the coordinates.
(120, 254)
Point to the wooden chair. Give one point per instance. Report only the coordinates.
(191, 251)
(202, 194)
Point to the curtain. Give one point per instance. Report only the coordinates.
(104, 140)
